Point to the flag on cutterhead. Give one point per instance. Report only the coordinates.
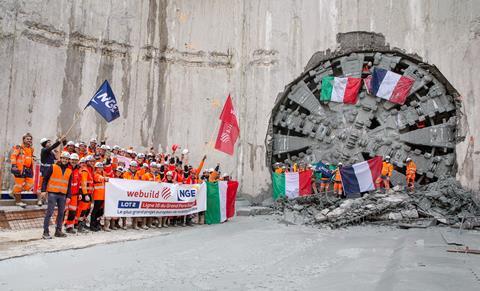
(229, 129)
(342, 90)
(361, 177)
(105, 103)
(390, 86)
(324, 170)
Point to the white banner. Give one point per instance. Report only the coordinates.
(131, 198)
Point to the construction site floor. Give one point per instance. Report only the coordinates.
(247, 253)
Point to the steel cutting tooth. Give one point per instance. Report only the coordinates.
(302, 95)
(286, 143)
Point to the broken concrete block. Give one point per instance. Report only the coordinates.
(410, 214)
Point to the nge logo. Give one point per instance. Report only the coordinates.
(186, 194)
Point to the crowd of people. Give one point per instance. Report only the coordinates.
(326, 174)
(73, 177)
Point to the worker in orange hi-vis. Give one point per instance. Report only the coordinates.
(337, 181)
(410, 174)
(387, 170)
(22, 168)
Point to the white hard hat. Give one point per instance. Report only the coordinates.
(93, 140)
(103, 147)
(387, 158)
(185, 151)
(82, 160)
(99, 165)
(340, 164)
(74, 156)
(133, 164)
(44, 140)
(120, 169)
(141, 155)
(211, 170)
(225, 175)
(89, 158)
(153, 164)
(81, 143)
(145, 165)
(116, 147)
(129, 152)
(77, 145)
(70, 143)
(158, 165)
(65, 155)
(409, 159)
(169, 173)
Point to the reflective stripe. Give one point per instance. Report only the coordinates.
(98, 187)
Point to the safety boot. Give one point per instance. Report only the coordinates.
(106, 226)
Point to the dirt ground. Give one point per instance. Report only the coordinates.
(248, 253)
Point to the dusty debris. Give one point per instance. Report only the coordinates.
(444, 202)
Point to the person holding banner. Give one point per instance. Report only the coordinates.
(99, 180)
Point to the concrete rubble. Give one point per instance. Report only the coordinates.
(443, 202)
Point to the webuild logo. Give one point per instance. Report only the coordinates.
(186, 194)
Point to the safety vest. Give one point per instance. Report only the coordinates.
(338, 177)
(130, 176)
(387, 169)
(58, 182)
(98, 187)
(147, 177)
(22, 157)
(75, 184)
(87, 181)
(411, 168)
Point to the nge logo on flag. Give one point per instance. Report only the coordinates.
(105, 103)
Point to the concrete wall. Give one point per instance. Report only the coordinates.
(172, 63)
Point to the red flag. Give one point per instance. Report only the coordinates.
(229, 130)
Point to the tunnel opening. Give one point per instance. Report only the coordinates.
(424, 127)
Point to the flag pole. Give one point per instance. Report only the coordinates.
(75, 119)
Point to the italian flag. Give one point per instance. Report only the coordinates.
(292, 184)
(221, 197)
(343, 90)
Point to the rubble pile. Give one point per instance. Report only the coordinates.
(444, 202)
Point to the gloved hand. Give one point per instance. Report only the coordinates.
(87, 198)
(80, 197)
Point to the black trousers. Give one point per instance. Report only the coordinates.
(97, 212)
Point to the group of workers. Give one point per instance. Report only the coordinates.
(73, 180)
(325, 174)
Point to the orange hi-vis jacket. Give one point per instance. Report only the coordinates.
(411, 169)
(338, 177)
(130, 176)
(98, 187)
(140, 172)
(387, 169)
(76, 179)
(151, 177)
(22, 157)
(86, 177)
(58, 182)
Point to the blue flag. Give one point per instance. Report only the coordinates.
(105, 103)
(324, 170)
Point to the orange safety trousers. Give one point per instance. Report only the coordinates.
(71, 217)
(22, 184)
(83, 209)
(337, 187)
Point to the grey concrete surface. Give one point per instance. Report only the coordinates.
(171, 63)
(253, 253)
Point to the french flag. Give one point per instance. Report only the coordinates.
(390, 86)
(361, 177)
